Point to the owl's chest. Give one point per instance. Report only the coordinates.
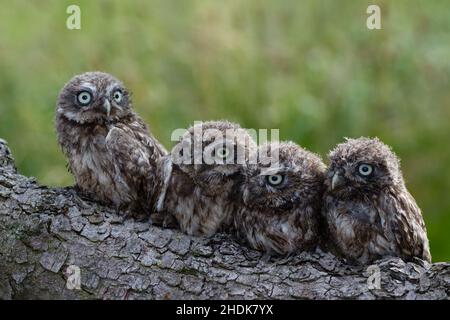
(198, 214)
(359, 226)
(291, 225)
(92, 163)
(91, 152)
(352, 213)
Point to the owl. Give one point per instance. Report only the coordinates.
(281, 202)
(201, 177)
(369, 212)
(110, 151)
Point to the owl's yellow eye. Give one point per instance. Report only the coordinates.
(222, 152)
(365, 169)
(118, 96)
(275, 179)
(84, 98)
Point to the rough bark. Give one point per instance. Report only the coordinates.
(45, 230)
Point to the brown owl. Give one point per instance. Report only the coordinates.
(369, 212)
(201, 176)
(110, 151)
(281, 203)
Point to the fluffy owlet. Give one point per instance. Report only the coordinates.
(280, 209)
(110, 151)
(369, 212)
(202, 175)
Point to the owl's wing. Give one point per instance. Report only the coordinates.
(136, 153)
(164, 168)
(408, 227)
(139, 129)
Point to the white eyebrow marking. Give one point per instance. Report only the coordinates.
(110, 88)
(270, 170)
(89, 86)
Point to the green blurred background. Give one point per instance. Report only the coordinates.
(310, 68)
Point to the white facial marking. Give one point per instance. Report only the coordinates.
(110, 88)
(270, 171)
(89, 86)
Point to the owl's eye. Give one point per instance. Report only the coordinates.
(275, 179)
(222, 152)
(84, 98)
(118, 95)
(365, 169)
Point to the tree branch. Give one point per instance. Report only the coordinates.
(45, 230)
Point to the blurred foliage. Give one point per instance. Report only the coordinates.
(310, 68)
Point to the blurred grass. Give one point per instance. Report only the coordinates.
(310, 68)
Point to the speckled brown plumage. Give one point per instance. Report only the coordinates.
(202, 197)
(280, 207)
(370, 214)
(110, 151)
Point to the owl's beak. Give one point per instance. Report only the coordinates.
(337, 181)
(107, 106)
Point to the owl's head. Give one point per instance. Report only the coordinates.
(93, 97)
(212, 152)
(362, 166)
(296, 180)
